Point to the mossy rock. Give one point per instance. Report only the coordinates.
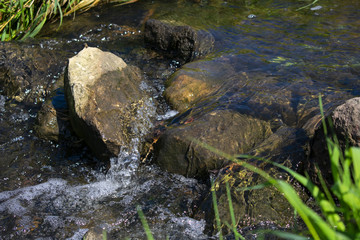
(263, 206)
(177, 151)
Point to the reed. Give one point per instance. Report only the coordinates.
(21, 19)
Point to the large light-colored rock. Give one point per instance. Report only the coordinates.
(105, 97)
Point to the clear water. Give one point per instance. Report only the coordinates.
(59, 190)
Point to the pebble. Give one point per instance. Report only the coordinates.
(316, 8)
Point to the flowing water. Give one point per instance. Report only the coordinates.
(60, 190)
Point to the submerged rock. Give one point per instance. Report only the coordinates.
(177, 151)
(105, 96)
(27, 71)
(52, 118)
(263, 206)
(225, 83)
(47, 126)
(182, 42)
(96, 233)
(195, 81)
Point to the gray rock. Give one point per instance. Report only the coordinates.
(183, 42)
(346, 119)
(105, 96)
(346, 125)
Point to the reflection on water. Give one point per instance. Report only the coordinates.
(57, 191)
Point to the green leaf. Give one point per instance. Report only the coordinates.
(144, 223)
(36, 30)
(355, 155)
(256, 187)
(287, 235)
(334, 154)
(231, 210)
(318, 228)
(57, 5)
(216, 210)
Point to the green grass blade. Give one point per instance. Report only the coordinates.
(334, 153)
(256, 187)
(144, 223)
(324, 187)
(318, 228)
(315, 1)
(355, 156)
(57, 6)
(287, 235)
(322, 115)
(232, 214)
(36, 30)
(216, 210)
(104, 234)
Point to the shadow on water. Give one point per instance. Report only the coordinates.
(277, 60)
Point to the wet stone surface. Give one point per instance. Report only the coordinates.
(266, 70)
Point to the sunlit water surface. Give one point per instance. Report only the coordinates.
(55, 191)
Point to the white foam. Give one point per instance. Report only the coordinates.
(192, 228)
(19, 201)
(169, 114)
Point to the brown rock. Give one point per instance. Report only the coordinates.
(176, 150)
(181, 42)
(105, 97)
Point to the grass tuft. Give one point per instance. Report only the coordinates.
(340, 205)
(21, 19)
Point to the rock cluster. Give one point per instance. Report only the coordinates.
(232, 109)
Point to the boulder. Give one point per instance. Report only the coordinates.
(233, 133)
(182, 42)
(105, 96)
(346, 120)
(195, 81)
(346, 125)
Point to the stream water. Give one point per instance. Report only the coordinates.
(60, 190)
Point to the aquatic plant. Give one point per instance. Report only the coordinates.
(20, 19)
(339, 205)
(308, 5)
